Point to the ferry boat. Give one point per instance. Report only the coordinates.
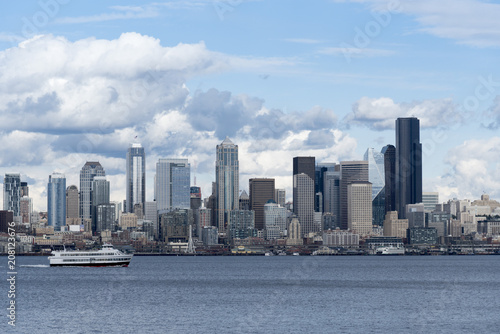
(391, 250)
(105, 257)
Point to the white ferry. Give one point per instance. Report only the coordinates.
(105, 257)
(391, 250)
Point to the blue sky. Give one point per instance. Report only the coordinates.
(80, 79)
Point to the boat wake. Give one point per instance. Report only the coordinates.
(34, 266)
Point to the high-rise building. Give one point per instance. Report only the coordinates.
(151, 214)
(105, 217)
(25, 189)
(331, 193)
(408, 163)
(430, 200)
(393, 226)
(244, 201)
(415, 214)
(261, 191)
(303, 204)
(376, 176)
(305, 165)
(172, 184)
(12, 193)
(241, 224)
(72, 202)
(227, 180)
(389, 152)
(320, 170)
(280, 197)
(26, 208)
(294, 233)
(100, 195)
(350, 171)
(195, 201)
(136, 177)
(6, 220)
(90, 170)
(359, 207)
(56, 201)
(275, 217)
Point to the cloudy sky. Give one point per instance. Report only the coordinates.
(79, 80)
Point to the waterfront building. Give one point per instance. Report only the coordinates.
(174, 225)
(172, 184)
(241, 224)
(422, 236)
(340, 238)
(56, 201)
(12, 193)
(350, 171)
(105, 217)
(128, 221)
(227, 182)
(408, 163)
(136, 177)
(6, 217)
(393, 226)
(209, 236)
(90, 170)
(261, 191)
(359, 207)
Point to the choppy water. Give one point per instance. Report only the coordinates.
(281, 294)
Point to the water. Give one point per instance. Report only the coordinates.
(280, 294)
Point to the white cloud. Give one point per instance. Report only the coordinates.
(381, 113)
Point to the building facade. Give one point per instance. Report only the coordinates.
(90, 170)
(12, 193)
(136, 177)
(261, 191)
(56, 201)
(172, 188)
(350, 171)
(359, 207)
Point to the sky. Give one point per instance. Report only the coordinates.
(81, 80)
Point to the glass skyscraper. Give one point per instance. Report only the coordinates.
(136, 177)
(90, 170)
(12, 193)
(56, 201)
(172, 188)
(227, 182)
(408, 164)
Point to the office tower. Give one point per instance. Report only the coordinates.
(244, 201)
(331, 193)
(393, 226)
(305, 165)
(172, 187)
(12, 193)
(56, 201)
(303, 204)
(136, 177)
(72, 202)
(25, 189)
(376, 176)
(261, 191)
(389, 152)
(430, 200)
(275, 217)
(26, 208)
(294, 233)
(6, 217)
(241, 224)
(209, 236)
(211, 203)
(350, 171)
(105, 217)
(280, 197)
(151, 214)
(415, 215)
(359, 207)
(320, 170)
(174, 225)
(408, 163)
(90, 170)
(195, 201)
(100, 195)
(227, 180)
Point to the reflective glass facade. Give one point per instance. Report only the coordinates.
(56, 201)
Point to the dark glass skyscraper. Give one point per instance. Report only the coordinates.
(90, 170)
(261, 191)
(389, 152)
(408, 163)
(305, 165)
(56, 201)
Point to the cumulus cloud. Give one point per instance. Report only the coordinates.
(493, 114)
(65, 103)
(381, 113)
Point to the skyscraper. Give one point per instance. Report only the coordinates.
(173, 177)
(72, 202)
(389, 152)
(227, 180)
(90, 170)
(280, 197)
(261, 191)
(408, 163)
(359, 204)
(331, 193)
(100, 196)
(303, 165)
(56, 201)
(136, 177)
(376, 176)
(12, 193)
(320, 170)
(350, 171)
(303, 204)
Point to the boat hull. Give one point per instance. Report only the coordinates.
(115, 264)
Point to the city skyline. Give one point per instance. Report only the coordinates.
(329, 88)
